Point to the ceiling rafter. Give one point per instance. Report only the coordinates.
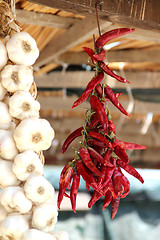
(44, 19)
(76, 34)
(134, 55)
(67, 79)
(137, 14)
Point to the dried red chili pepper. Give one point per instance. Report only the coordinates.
(101, 56)
(91, 53)
(99, 109)
(112, 97)
(107, 178)
(107, 158)
(115, 205)
(107, 36)
(130, 170)
(95, 197)
(96, 194)
(74, 189)
(107, 200)
(86, 174)
(108, 71)
(117, 185)
(95, 155)
(99, 90)
(91, 85)
(71, 137)
(121, 153)
(64, 183)
(127, 145)
(85, 156)
(95, 143)
(100, 137)
(126, 185)
(94, 121)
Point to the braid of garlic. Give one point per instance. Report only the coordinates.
(27, 211)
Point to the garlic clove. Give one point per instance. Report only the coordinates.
(4, 57)
(34, 234)
(8, 148)
(14, 200)
(61, 235)
(13, 227)
(25, 164)
(17, 77)
(3, 213)
(7, 177)
(45, 217)
(34, 134)
(3, 91)
(5, 117)
(38, 189)
(22, 105)
(6, 197)
(22, 48)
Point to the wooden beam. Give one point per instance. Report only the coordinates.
(136, 55)
(80, 79)
(76, 34)
(44, 19)
(65, 103)
(137, 13)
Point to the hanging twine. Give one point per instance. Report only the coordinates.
(8, 23)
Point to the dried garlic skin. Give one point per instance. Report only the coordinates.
(7, 177)
(17, 77)
(22, 105)
(38, 189)
(34, 134)
(5, 117)
(3, 91)
(22, 48)
(45, 217)
(3, 213)
(25, 164)
(61, 235)
(8, 149)
(35, 234)
(14, 200)
(4, 57)
(13, 227)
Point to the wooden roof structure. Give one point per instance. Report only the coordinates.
(61, 28)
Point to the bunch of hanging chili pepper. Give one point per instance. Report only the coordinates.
(101, 155)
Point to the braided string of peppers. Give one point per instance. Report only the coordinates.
(101, 155)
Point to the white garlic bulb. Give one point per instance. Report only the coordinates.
(34, 134)
(22, 105)
(3, 91)
(8, 148)
(5, 117)
(38, 189)
(7, 177)
(45, 217)
(3, 213)
(22, 49)
(17, 77)
(26, 163)
(14, 200)
(34, 234)
(13, 227)
(4, 57)
(61, 235)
